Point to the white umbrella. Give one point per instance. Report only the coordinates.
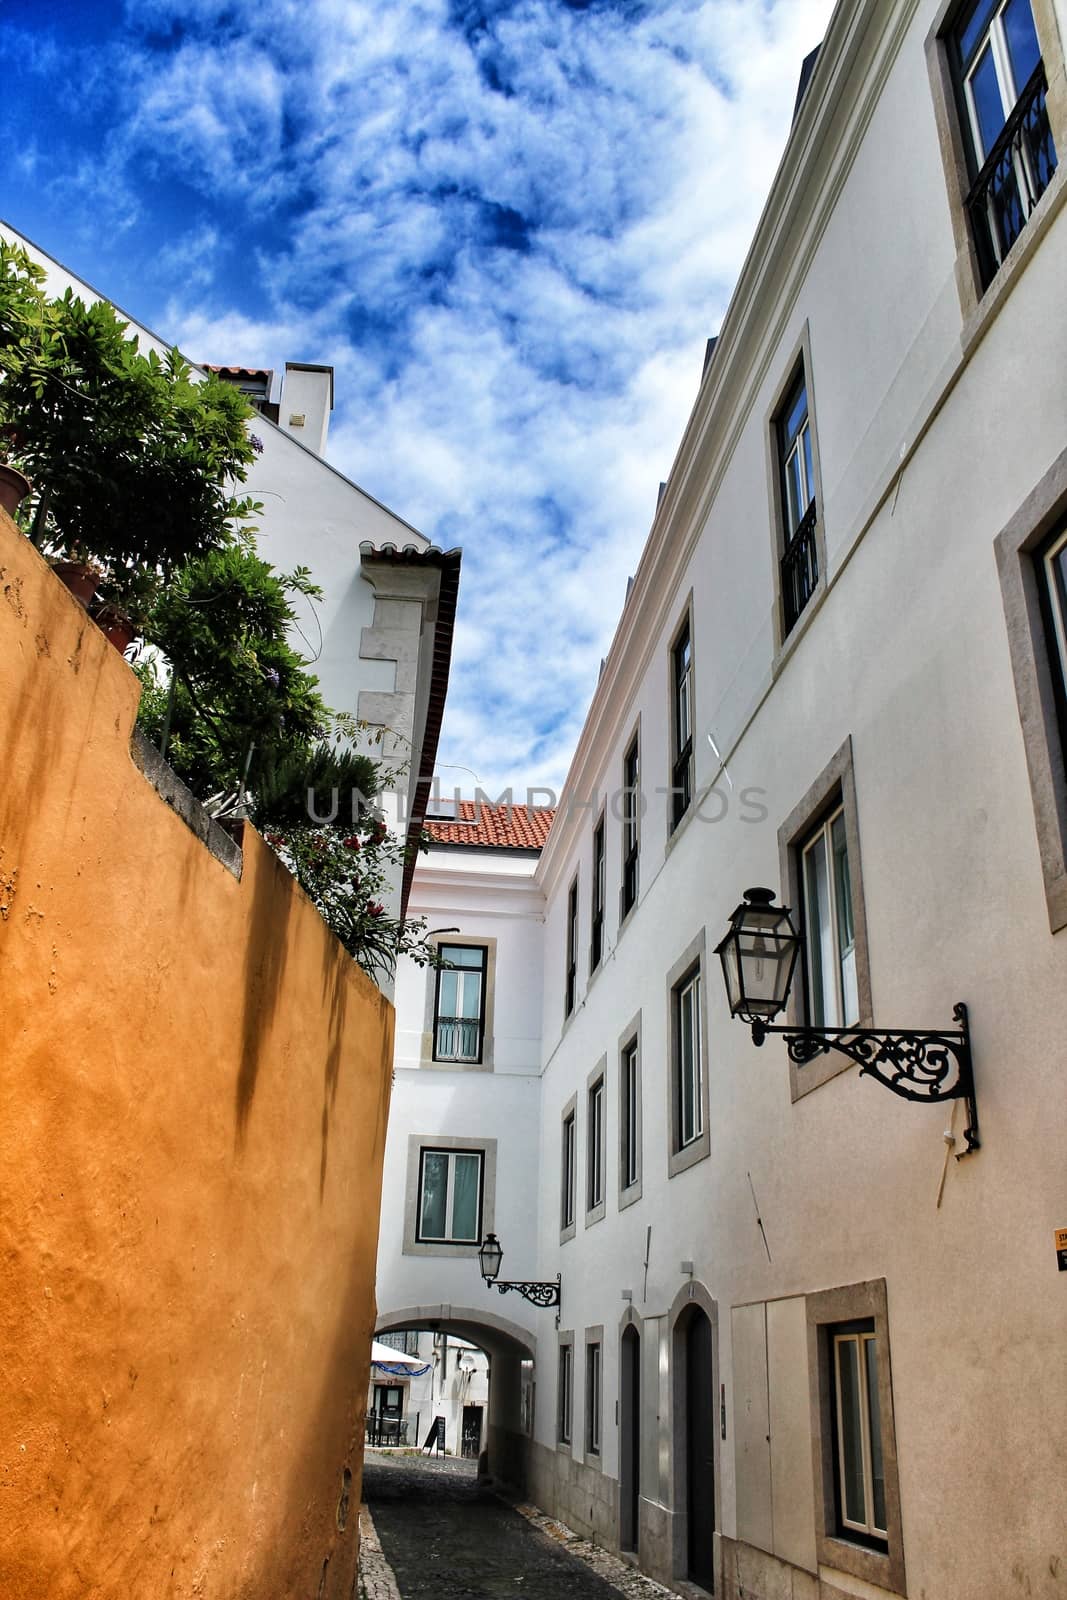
(395, 1361)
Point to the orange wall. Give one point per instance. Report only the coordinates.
(194, 1083)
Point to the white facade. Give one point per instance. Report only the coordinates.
(489, 1108)
(919, 693)
(379, 639)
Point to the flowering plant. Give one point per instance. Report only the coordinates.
(347, 875)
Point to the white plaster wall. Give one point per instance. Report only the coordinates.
(908, 655)
(484, 895)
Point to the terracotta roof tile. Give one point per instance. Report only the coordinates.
(239, 372)
(498, 827)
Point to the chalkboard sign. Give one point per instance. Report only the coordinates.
(435, 1439)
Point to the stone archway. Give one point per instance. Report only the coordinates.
(507, 1345)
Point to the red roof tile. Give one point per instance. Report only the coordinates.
(239, 372)
(498, 827)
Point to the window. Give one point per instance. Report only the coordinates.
(572, 949)
(1052, 582)
(450, 1196)
(799, 564)
(596, 947)
(820, 863)
(687, 1086)
(857, 1501)
(567, 1169)
(564, 1391)
(859, 1460)
(1000, 85)
(681, 725)
(592, 1398)
(407, 1341)
(1030, 553)
(630, 1105)
(631, 790)
(459, 1006)
(594, 1198)
(688, 1068)
(829, 926)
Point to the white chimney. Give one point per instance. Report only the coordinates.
(306, 402)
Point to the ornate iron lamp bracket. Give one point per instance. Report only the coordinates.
(924, 1066)
(538, 1294)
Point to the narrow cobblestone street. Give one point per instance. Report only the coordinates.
(429, 1530)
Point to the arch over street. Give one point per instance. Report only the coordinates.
(507, 1345)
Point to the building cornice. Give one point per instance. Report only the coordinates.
(861, 45)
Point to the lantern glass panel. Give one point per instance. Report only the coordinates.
(766, 961)
(489, 1257)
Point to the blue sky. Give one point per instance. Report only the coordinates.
(510, 225)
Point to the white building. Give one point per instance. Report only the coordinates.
(802, 1350)
(381, 637)
(427, 1391)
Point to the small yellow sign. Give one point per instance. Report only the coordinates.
(1061, 1248)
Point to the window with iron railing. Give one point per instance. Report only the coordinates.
(459, 1010)
(800, 558)
(1001, 90)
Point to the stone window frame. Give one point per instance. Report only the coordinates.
(978, 308)
(600, 827)
(630, 1035)
(826, 1310)
(675, 828)
(569, 1113)
(429, 1030)
(836, 784)
(572, 941)
(565, 1391)
(593, 1338)
(633, 742)
(417, 1143)
(693, 960)
(1039, 516)
(599, 1075)
(799, 359)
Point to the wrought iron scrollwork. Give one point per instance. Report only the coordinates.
(925, 1066)
(538, 1294)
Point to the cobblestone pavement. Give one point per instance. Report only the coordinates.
(429, 1532)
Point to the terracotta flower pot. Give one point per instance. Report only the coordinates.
(80, 578)
(116, 626)
(14, 487)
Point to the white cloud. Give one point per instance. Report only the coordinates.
(512, 245)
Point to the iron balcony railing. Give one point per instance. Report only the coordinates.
(800, 568)
(1015, 176)
(457, 1038)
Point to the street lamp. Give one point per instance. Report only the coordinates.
(490, 1255)
(759, 957)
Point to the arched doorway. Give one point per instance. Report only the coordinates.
(695, 1435)
(629, 1438)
